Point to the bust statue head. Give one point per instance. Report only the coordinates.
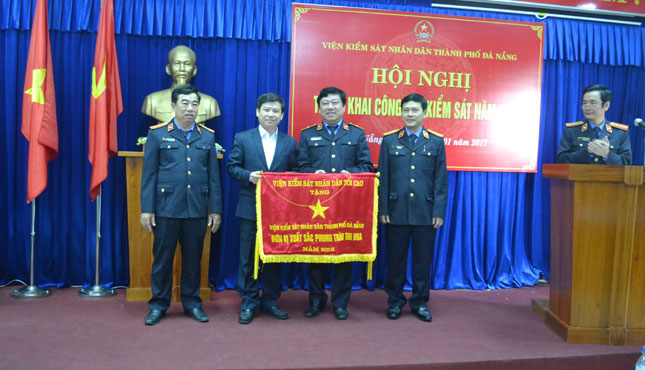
(181, 65)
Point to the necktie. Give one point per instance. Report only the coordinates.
(332, 130)
(596, 131)
(413, 138)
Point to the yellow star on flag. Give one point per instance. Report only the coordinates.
(424, 27)
(98, 88)
(318, 210)
(36, 91)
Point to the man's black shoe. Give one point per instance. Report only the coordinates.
(341, 313)
(154, 316)
(276, 312)
(315, 307)
(393, 313)
(246, 316)
(423, 314)
(197, 314)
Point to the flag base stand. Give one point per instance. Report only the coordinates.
(31, 291)
(96, 291)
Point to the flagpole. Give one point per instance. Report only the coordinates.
(97, 290)
(32, 291)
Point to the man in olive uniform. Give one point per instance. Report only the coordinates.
(595, 140)
(180, 196)
(332, 146)
(413, 194)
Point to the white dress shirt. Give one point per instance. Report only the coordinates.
(268, 144)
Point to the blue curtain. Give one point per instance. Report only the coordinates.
(497, 226)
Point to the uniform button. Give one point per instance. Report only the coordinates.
(187, 146)
(429, 153)
(411, 195)
(168, 146)
(188, 186)
(396, 153)
(349, 143)
(190, 173)
(333, 155)
(333, 170)
(412, 180)
(413, 154)
(188, 159)
(580, 144)
(412, 167)
(163, 190)
(316, 144)
(595, 159)
(333, 143)
(611, 146)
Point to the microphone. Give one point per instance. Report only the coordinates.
(639, 123)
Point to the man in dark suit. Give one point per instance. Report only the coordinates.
(256, 150)
(332, 146)
(595, 140)
(413, 193)
(180, 196)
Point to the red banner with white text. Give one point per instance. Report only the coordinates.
(316, 218)
(482, 79)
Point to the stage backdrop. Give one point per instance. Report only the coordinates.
(461, 65)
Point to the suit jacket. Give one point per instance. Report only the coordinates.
(247, 156)
(577, 135)
(413, 178)
(348, 150)
(180, 178)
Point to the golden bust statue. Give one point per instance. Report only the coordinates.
(182, 68)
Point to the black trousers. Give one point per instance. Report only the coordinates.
(398, 242)
(341, 288)
(247, 287)
(190, 234)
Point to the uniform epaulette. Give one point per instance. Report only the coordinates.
(574, 124)
(159, 125)
(355, 125)
(309, 126)
(392, 132)
(619, 126)
(435, 133)
(206, 128)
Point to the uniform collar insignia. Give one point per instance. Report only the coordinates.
(608, 128)
(170, 126)
(584, 128)
(426, 135)
(345, 126)
(401, 133)
(319, 126)
(198, 130)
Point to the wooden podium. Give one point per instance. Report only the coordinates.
(141, 241)
(597, 254)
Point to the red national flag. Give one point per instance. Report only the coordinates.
(106, 103)
(39, 105)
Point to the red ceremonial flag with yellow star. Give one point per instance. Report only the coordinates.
(39, 105)
(106, 103)
(316, 218)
